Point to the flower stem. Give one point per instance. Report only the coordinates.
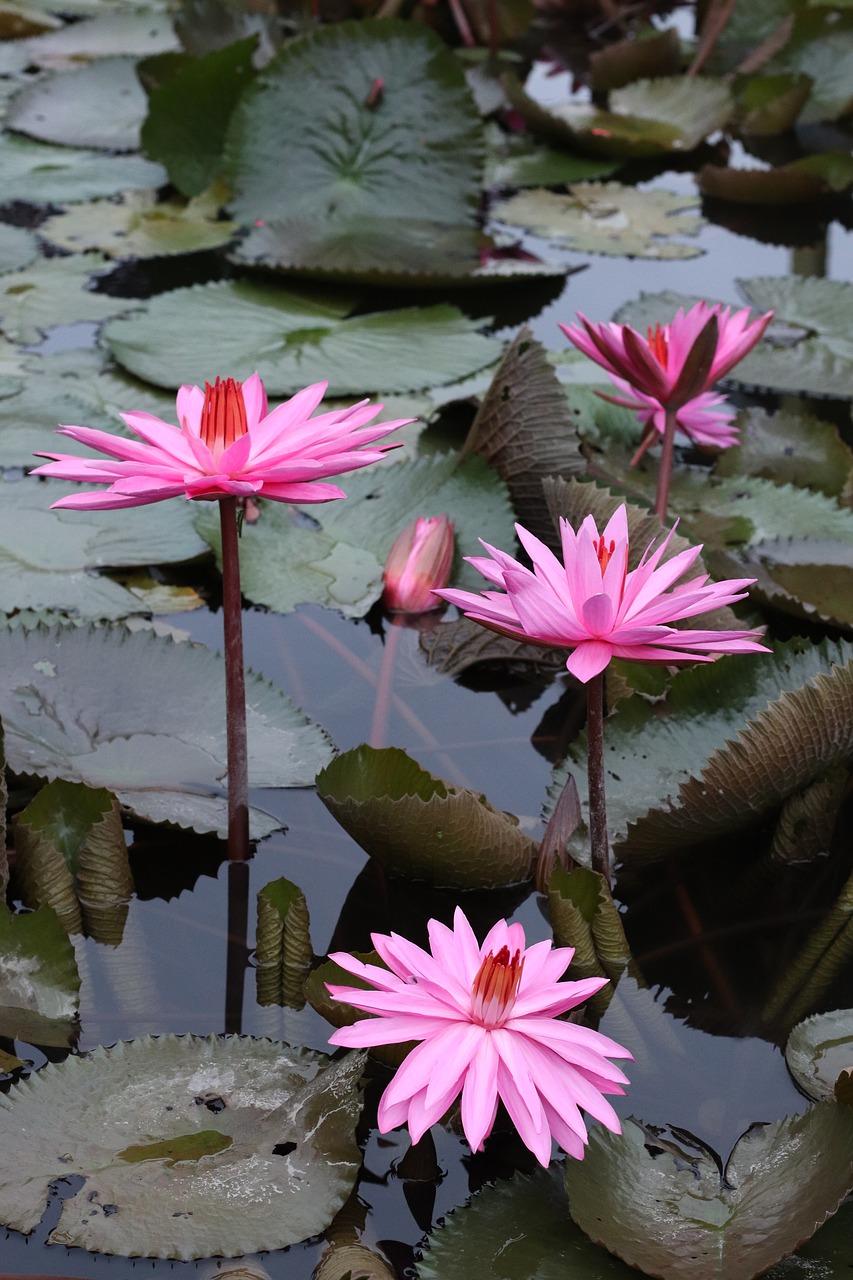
(662, 499)
(235, 686)
(595, 772)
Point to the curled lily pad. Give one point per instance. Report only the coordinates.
(71, 711)
(283, 948)
(188, 1147)
(39, 982)
(812, 178)
(660, 1200)
(418, 826)
(818, 1050)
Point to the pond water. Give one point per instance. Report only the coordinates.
(709, 955)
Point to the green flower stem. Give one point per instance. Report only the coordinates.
(235, 686)
(662, 499)
(595, 771)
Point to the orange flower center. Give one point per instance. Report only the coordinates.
(495, 987)
(604, 552)
(223, 417)
(658, 344)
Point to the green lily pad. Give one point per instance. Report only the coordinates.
(514, 160)
(139, 225)
(659, 1200)
(338, 559)
(189, 113)
(418, 826)
(513, 1231)
(818, 1050)
(188, 1147)
(821, 47)
(295, 338)
(806, 577)
(802, 181)
(607, 218)
(51, 292)
(71, 711)
(45, 174)
(18, 248)
(39, 982)
(47, 556)
(362, 179)
(135, 33)
(789, 448)
(101, 105)
(770, 104)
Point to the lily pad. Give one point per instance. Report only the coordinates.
(45, 174)
(101, 105)
(296, 338)
(373, 174)
(188, 1147)
(789, 448)
(135, 33)
(337, 560)
(139, 225)
(660, 1200)
(47, 556)
(607, 218)
(418, 826)
(818, 1050)
(39, 982)
(813, 178)
(514, 160)
(513, 1231)
(71, 711)
(18, 248)
(821, 47)
(51, 292)
(283, 953)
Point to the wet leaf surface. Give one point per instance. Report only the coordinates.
(101, 105)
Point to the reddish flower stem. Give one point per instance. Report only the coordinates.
(662, 499)
(235, 686)
(237, 951)
(599, 845)
(384, 689)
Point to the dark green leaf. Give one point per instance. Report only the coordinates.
(283, 947)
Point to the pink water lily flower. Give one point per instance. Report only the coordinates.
(227, 444)
(674, 368)
(419, 560)
(487, 1018)
(593, 605)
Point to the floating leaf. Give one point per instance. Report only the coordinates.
(513, 1231)
(188, 1147)
(39, 982)
(139, 225)
(455, 646)
(735, 739)
(770, 104)
(514, 160)
(189, 113)
(337, 559)
(647, 54)
(297, 337)
(807, 577)
(418, 826)
(44, 174)
(283, 948)
(821, 47)
(136, 33)
(818, 1050)
(354, 1260)
(101, 105)
(72, 856)
(608, 218)
(362, 180)
(658, 1198)
(51, 292)
(18, 248)
(807, 820)
(524, 430)
(47, 556)
(789, 448)
(802, 181)
(71, 711)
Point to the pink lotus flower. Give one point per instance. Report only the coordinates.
(487, 1018)
(674, 368)
(594, 606)
(419, 561)
(227, 444)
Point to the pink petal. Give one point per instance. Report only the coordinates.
(589, 659)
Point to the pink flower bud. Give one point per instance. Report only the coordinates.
(418, 562)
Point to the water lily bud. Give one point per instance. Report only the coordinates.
(418, 562)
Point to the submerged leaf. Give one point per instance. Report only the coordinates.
(39, 982)
(420, 827)
(243, 1145)
(71, 711)
(658, 1198)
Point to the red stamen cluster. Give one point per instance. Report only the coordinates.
(604, 552)
(658, 344)
(223, 417)
(495, 987)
